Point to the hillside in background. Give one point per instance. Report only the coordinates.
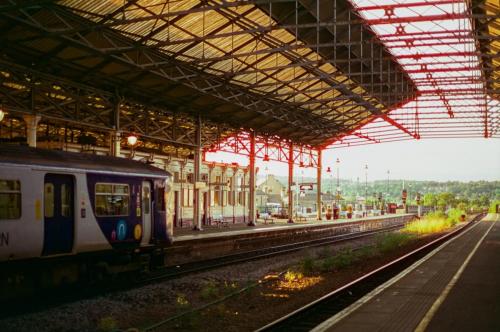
(479, 193)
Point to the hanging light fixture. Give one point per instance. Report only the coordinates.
(266, 150)
(132, 140)
(328, 169)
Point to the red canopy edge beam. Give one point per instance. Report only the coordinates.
(266, 148)
(367, 137)
(383, 116)
(344, 145)
(398, 125)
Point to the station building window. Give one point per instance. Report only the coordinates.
(111, 199)
(230, 193)
(187, 197)
(218, 191)
(10, 199)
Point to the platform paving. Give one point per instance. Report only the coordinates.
(404, 303)
(473, 304)
(181, 234)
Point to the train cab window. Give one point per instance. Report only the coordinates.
(111, 199)
(10, 199)
(48, 200)
(66, 208)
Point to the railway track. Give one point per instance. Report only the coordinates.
(316, 312)
(199, 266)
(54, 297)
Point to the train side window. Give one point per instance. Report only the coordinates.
(10, 199)
(48, 200)
(66, 208)
(111, 199)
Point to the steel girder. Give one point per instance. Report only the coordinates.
(85, 109)
(149, 62)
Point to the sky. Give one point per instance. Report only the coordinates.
(426, 159)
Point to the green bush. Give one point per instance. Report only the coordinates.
(391, 241)
(454, 216)
(493, 206)
(308, 265)
(344, 258)
(341, 260)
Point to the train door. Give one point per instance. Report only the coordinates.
(146, 213)
(59, 216)
(176, 209)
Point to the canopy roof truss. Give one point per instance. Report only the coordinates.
(305, 71)
(451, 50)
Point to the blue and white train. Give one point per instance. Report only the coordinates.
(101, 211)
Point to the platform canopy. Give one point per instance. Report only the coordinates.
(312, 72)
(300, 70)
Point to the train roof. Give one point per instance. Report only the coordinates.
(79, 161)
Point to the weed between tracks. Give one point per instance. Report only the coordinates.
(304, 280)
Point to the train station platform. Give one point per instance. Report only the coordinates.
(453, 288)
(213, 241)
(212, 231)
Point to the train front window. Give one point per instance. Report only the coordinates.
(10, 199)
(111, 199)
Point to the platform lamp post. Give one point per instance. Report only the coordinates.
(366, 187)
(387, 196)
(337, 196)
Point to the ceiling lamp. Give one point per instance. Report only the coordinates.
(132, 140)
(266, 157)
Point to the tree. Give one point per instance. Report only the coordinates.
(430, 199)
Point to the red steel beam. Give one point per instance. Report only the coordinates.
(409, 5)
(442, 70)
(427, 33)
(419, 56)
(416, 19)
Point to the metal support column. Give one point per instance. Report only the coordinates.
(290, 183)
(31, 125)
(251, 184)
(318, 186)
(116, 134)
(197, 170)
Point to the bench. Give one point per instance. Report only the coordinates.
(220, 221)
(266, 217)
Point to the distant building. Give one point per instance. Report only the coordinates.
(271, 194)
